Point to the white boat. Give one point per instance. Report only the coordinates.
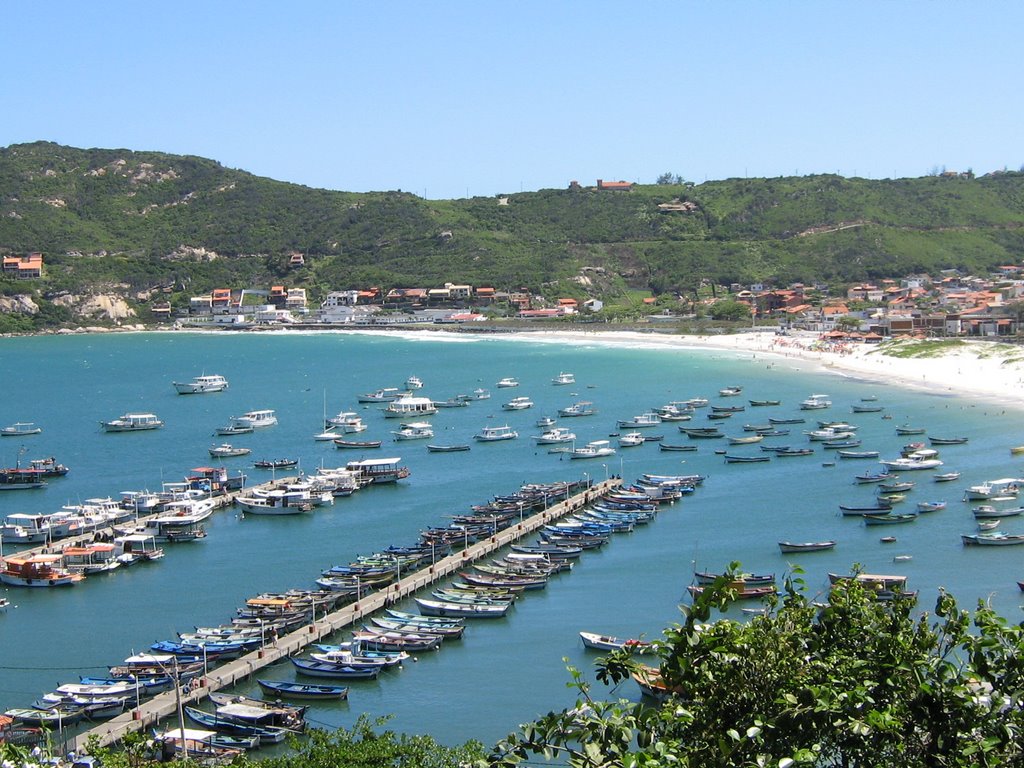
(555, 435)
(1007, 487)
(327, 435)
(232, 429)
(518, 404)
(508, 382)
(226, 450)
(582, 408)
(20, 429)
(37, 571)
(407, 406)
(347, 421)
(132, 422)
(908, 464)
(815, 402)
(592, 450)
(135, 548)
(631, 439)
(545, 422)
(993, 538)
(649, 419)
(384, 395)
(563, 378)
(378, 470)
(598, 642)
(479, 394)
(413, 382)
(277, 502)
(493, 434)
(201, 385)
(256, 419)
(414, 430)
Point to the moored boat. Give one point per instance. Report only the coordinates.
(303, 690)
(201, 385)
(597, 642)
(992, 538)
(494, 434)
(20, 429)
(37, 571)
(790, 547)
(226, 450)
(447, 448)
(132, 422)
(256, 419)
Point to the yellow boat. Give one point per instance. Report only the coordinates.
(1016, 450)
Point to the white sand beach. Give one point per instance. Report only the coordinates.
(987, 370)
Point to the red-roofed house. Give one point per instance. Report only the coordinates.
(24, 267)
(620, 186)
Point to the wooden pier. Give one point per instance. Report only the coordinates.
(151, 711)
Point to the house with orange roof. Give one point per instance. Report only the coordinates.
(278, 295)
(23, 267)
(220, 299)
(618, 186)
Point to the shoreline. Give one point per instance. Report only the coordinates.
(983, 369)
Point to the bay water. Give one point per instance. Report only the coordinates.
(504, 672)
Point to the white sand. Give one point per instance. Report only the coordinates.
(982, 369)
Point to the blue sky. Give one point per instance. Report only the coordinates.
(450, 98)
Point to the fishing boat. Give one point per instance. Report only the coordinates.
(507, 382)
(233, 429)
(494, 434)
(733, 459)
(37, 571)
(729, 391)
(649, 419)
(846, 454)
(226, 450)
(669, 447)
(555, 435)
(598, 642)
(763, 403)
(346, 421)
(132, 422)
(701, 432)
(907, 464)
(595, 449)
(256, 419)
(201, 385)
(930, 506)
(221, 721)
(1007, 487)
(563, 378)
(20, 429)
(631, 439)
(276, 463)
(866, 408)
(906, 429)
(793, 420)
(747, 440)
(384, 395)
(875, 580)
(898, 486)
(880, 507)
(433, 448)
(413, 382)
(889, 518)
(945, 477)
(346, 444)
(785, 451)
(790, 547)
(431, 607)
(581, 408)
(876, 477)
(293, 690)
(49, 466)
(815, 402)
(414, 430)
(478, 394)
(985, 511)
(738, 579)
(947, 440)
(992, 539)
(743, 592)
(517, 404)
(21, 478)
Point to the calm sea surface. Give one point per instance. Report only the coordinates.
(503, 672)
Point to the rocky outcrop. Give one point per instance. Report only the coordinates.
(98, 307)
(21, 304)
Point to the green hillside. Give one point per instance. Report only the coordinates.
(117, 218)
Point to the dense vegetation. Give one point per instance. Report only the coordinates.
(860, 682)
(130, 221)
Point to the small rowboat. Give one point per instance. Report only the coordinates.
(743, 593)
(947, 440)
(789, 547)
(930, 506)
(447, 448)
(667, 447)
(357, 443)
(946, 477)
(889, 519)
(276, 464)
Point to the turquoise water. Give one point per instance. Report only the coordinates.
(503, 672)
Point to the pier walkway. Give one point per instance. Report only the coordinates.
(151, 711)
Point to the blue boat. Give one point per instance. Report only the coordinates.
(303, 690)
(266, 734)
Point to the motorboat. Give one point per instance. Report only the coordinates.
(414, 430)
(649, 419)
(232, 429)
(384, 395)
(347, 421)
(555, 435)
(815, 402)
(493, 434)
(582, 408)
(413, 382)
(908, 464)
(546, 422)
(132, 422)
(563, 378)
(508, 382)
(595, 449)
(201, 385)
(20, 429)
(1007, 487)
(518, 404)
(631, 440)
(226, 450)
(37, 571)
(256, 419)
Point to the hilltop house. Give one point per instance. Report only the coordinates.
(618, 186)
(24, 267)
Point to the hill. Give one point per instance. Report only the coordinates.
(132, 221)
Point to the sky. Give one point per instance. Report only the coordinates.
(459, 98)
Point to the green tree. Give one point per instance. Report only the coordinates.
(729, 310)
(861, 682)
(848, 323)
